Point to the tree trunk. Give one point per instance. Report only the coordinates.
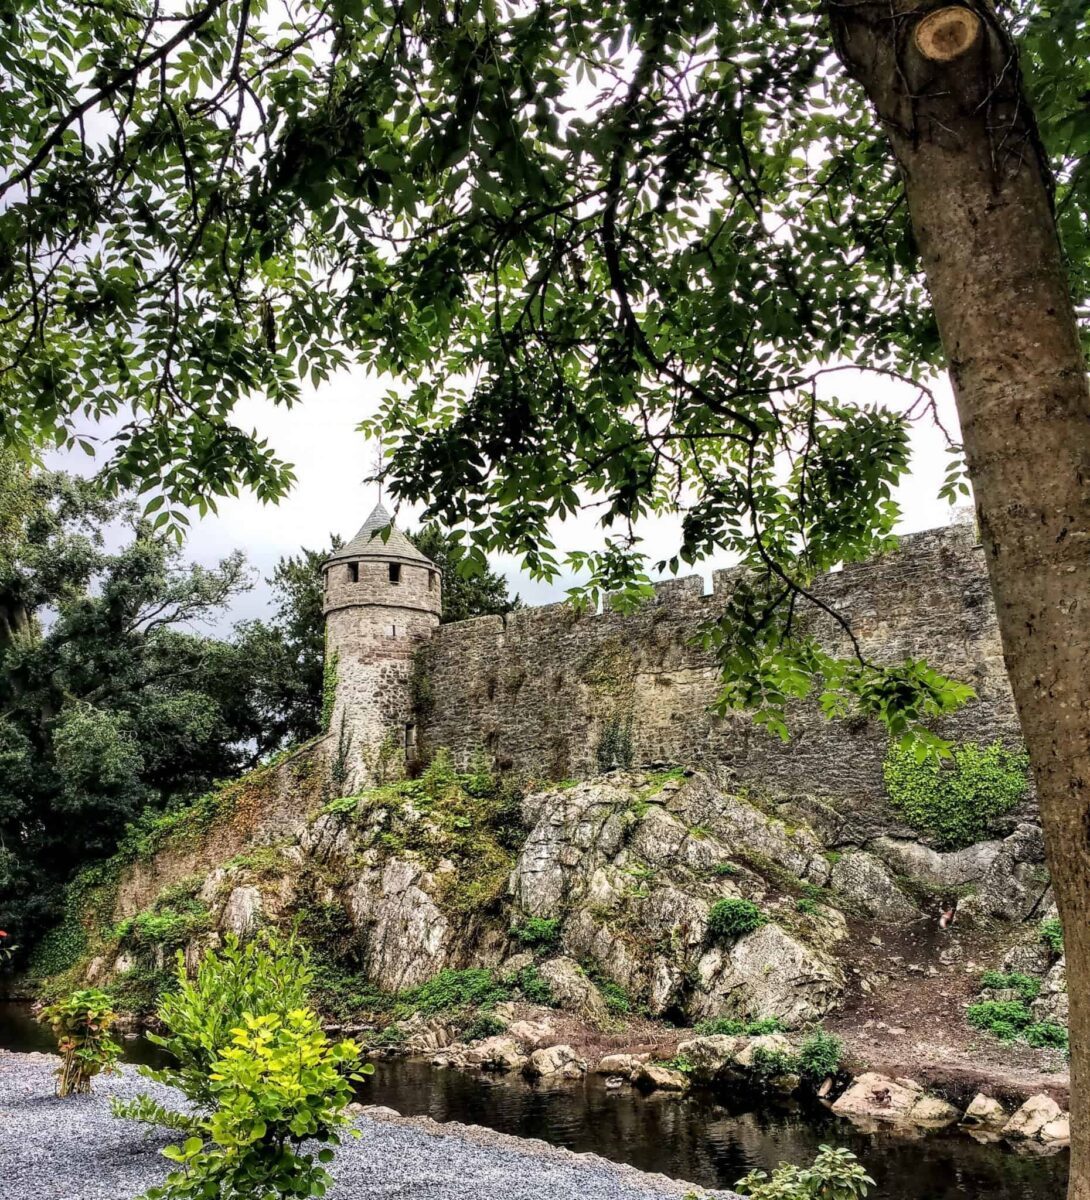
(945, 84)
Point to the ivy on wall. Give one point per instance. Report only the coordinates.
(329, 687)
(956, 800)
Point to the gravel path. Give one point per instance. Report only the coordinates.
(74, 1149)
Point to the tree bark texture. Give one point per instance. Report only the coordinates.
(949, 96)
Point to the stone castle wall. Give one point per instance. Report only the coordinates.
(538, 688)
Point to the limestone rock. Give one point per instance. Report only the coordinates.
(878, 1098)
(500, 1053)
(656, 1077)
(1012, 888)
(955, 868)
(572, 990)
(711, 1055)
(242, 912)
(776, 973)
(766, 1043)
(1057, 1131)
(865, 880)
(621, 1064)
(1052, 1003)
(555, 1060)
(1029, 1121)
(406, 933)
(985, 1112)
(531, 1034)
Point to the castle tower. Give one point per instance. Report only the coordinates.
(382, 600)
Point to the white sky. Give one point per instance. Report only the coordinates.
(331, 460)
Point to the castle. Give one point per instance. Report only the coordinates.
(555, 693)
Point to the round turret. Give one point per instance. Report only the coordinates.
(382, 599)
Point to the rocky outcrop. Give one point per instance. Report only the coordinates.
(867, 882)
(572, 990)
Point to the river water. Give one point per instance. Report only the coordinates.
(705, 1137)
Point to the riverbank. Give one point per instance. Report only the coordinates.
(74, 1149)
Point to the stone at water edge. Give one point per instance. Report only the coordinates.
(555, 1060)
(499, 1053)
(985, 1112)
(1058, 1130)
(532, 1034)
(711, 1055)
(621, 1064)
(1031, 1119)
(874, 1097)
(656, 1077)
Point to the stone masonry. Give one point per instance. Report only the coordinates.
(537, 690)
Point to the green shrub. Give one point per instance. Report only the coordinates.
(1052, 933)
(806, 905)
(730, 918)
(279, 1084)
(537, 932)
(819, 1055)
(270, 975)
(1004, 1019)
(1047, 1033)
(450, 991)
(81, 1024)
(534, 986)
(262, 1077)
(772, 1064)
(484, 1026)
(615, 745)
(725, 868)
(1027, 987)
(834, 1175)
(732, 1027)
(616, 998)
(957, 800)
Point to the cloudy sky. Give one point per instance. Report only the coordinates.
(331, 459)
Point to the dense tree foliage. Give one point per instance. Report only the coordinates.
(475, 593)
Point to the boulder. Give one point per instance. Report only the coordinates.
(1029, 1121)
(765, 1043)
(712, 1055)
(532, 1034)
(869, 884)
(986, 1113)
(555, 1060)
(1052, 1004)
(1057, 1132)
(621, 1064)
(874, 1098)
(500, 1053)
(572, 990)
(657, 1077)
(773, 972)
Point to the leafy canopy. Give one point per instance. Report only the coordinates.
(617, 255)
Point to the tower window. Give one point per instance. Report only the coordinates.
(431, 581)
(395, 572)
(353, 572)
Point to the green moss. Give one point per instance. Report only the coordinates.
(733, 1027)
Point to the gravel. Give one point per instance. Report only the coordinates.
(74, 1149)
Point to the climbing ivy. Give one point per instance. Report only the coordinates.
(958, 799)
(329, 687)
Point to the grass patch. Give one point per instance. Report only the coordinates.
(731, 918)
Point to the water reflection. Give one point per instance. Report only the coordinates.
(709, 1139)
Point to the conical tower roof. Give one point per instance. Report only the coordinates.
(368, 543)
